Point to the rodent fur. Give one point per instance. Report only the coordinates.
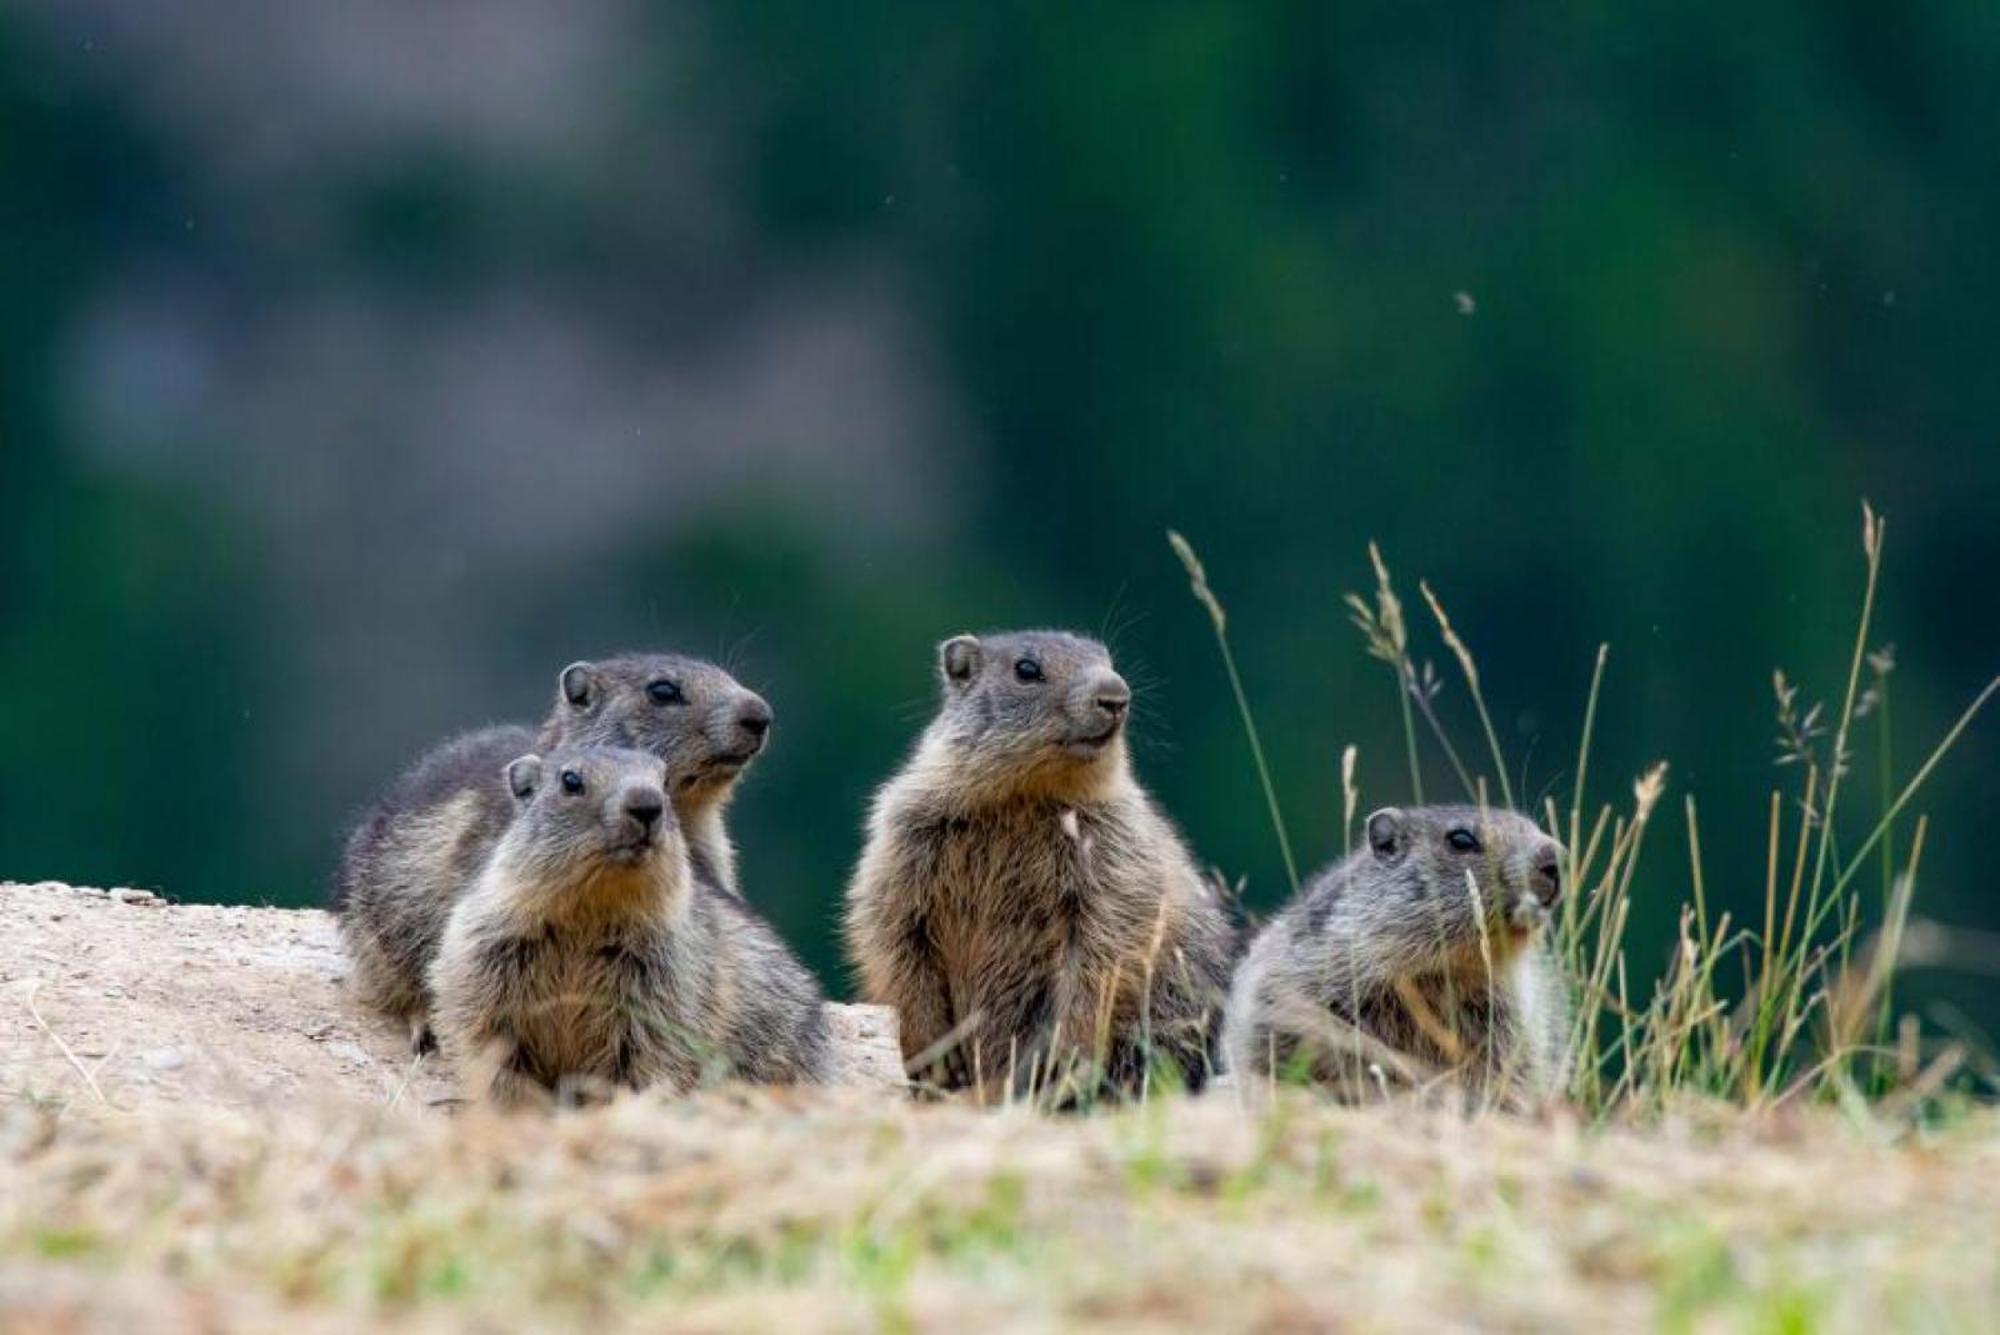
(1021, 901)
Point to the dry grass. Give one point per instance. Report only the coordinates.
(771, 1212)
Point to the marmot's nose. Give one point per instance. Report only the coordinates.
(1547, 878)
(645, 805)
(754, 717)
(1112, 695)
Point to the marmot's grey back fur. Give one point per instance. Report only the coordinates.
(415, 852)
(1020, 900)
(585, 956)
(1418, 955)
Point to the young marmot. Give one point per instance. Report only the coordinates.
(417, 850)
(586, 956)
(1417, 956)
(1021, 902)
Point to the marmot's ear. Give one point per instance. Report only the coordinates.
(578, 684)
(1388, 835)
(958, 658)
(524, 775)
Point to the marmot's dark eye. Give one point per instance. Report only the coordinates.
(666, 692)
(572, 782)
(1027, 669)
(1463, 841)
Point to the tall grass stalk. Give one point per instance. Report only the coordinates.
(1784, 1008)
(1471, 671)
(1910, 789)
(1871, 546)
(1198, 580)
(1388, 639)
(1350, 798)
(1582, 776)
(1882, 663)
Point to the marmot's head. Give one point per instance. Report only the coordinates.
(1029, 705)
(581, 808)
(694, 716)
(1430, 860)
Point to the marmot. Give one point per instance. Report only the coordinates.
(586, 956)
(420, 846)
(1021, 902)
(1418, 955)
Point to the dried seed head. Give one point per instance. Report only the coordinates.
(1648, 790)
(1198, 578)
(1391, 607)
(1451, 639)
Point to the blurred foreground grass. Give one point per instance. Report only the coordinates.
(767, 1210)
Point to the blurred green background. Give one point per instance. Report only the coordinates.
(360, 365)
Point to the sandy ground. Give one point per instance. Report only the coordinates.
(118, 998)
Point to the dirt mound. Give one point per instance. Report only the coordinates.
(117, 998)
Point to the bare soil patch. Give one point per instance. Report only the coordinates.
(115, 997)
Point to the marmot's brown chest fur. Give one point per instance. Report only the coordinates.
(1024, 913)
(582, 1004)
(1036, 943)
(1035, 921)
